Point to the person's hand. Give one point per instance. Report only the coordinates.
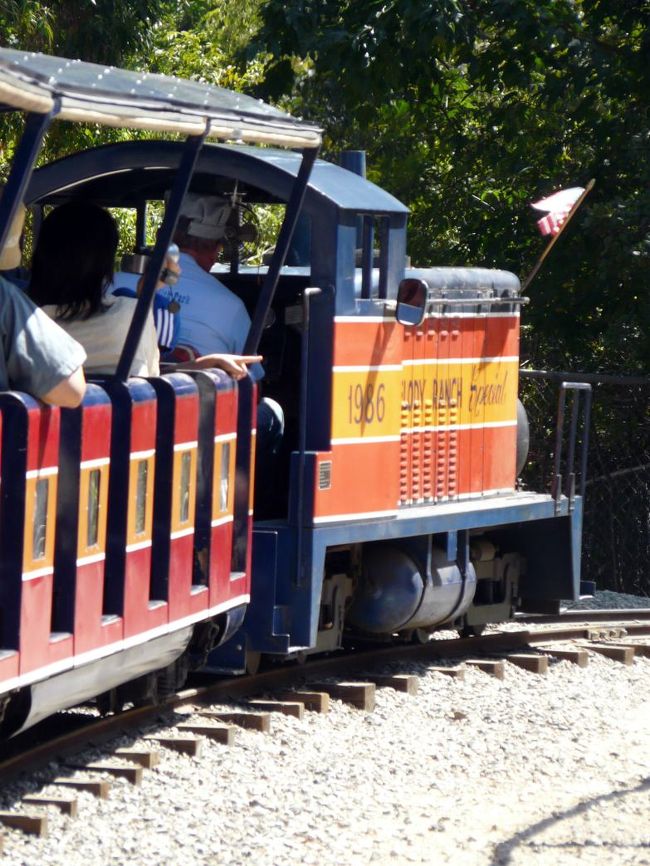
(234, 365)
(170, 267)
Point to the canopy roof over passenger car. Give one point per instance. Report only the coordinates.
(48, 88)
(89, 92)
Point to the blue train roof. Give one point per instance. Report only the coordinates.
(348, 191)
(125, 173)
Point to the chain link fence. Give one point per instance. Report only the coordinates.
(616, 541)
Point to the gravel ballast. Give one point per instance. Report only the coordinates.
(529, 770)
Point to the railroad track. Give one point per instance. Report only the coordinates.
(352, 678)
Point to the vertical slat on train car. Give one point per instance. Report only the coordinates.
(442, 401)
(215, 484)
(175, 497)
(80, 550)
(9, 659)
(30, 475)
(130, 511)
(244, 488)
(469, 438)
(420, 370)
(223, 443)
(475, 376)
(499, 398)
(408, 398)
(429, 436)
(221, 512)
(456, 354)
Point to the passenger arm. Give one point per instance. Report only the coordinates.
(68, 393)
(234, 365)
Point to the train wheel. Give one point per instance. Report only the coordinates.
(165, 683)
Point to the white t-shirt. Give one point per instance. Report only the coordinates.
(103, 336)
(212, 318)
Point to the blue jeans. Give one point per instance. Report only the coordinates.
(270, 430)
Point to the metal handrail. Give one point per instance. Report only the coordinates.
(467, 302)
(556, 483)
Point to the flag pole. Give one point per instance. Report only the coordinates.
(540, 261)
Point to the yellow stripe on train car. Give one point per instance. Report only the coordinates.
(483, 391)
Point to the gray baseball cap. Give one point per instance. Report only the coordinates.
(208, 215)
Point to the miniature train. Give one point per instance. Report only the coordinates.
(130, 549)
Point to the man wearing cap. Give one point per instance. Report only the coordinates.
(211, 318)
(37, 356)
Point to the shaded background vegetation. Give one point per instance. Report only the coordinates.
(468, 110)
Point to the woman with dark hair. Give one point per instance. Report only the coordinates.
(72, 269)
(72, 272)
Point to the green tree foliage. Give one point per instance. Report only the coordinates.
(101, 31)
(190, 38)
(201, 40)
(469, 110)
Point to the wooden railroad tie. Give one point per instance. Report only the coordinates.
(67, 805)
(494, 667)
(578, 657)
(359, 695)
(146, 759)
(185, 745)
(288, 708)
(316, 702)
(640, 649)
(224, 734)
(407, 683)
(537, 664)
(622, 654)
(35, 825)
(456, 673)
(252, 721)
(130, 772)
(97, 787)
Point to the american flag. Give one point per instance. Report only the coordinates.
(558, 207)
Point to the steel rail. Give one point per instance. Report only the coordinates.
(602, 615)
(21, 754)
